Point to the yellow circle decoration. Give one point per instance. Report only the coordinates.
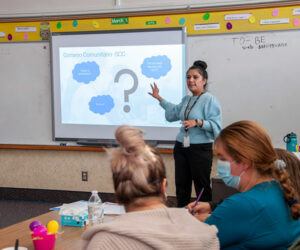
(95, 24)
(252, 19)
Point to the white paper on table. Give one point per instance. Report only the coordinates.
(109, 207)
(113, 208)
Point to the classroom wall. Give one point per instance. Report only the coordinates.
(61, 170)
(29, 8)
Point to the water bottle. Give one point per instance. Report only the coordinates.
(95, 209)
(291, 142)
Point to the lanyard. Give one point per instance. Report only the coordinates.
(188, 108)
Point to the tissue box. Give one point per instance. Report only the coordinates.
(74, 220)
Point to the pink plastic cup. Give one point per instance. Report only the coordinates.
(43, 242)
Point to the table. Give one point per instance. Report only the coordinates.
(67, 237)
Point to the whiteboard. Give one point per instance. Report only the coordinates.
(262, 85)
(25, 94)
(255, 76)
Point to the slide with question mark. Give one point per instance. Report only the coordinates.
(109, 85)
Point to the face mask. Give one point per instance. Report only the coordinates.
(224, 173)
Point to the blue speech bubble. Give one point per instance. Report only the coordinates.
(86, 72)
(101, 104)
(156, 66)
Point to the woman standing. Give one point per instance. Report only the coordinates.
(201, 118)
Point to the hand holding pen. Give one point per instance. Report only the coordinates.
(199, 196)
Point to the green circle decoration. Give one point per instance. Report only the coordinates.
(206, 16)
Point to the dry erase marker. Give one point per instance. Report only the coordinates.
(199, 196)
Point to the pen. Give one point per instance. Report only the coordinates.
(199, 196)
(17, 244)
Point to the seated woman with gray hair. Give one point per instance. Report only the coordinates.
(139, 178)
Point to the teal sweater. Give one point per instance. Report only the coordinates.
(207, 109)
(256, 219)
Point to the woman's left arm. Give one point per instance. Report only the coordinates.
(212, 122)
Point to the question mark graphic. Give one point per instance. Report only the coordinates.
(128, 91)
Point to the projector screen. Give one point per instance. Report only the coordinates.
(101, 80)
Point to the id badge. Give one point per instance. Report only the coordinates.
(186, 141)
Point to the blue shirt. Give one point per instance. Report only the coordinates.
(207, 109)
(256, 219)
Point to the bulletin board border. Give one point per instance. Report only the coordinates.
(153, 12)
(228, 19)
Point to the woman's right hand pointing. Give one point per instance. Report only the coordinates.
(155, 91)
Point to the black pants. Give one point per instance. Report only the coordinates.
(192, 164)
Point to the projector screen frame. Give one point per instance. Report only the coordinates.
(110, 140)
